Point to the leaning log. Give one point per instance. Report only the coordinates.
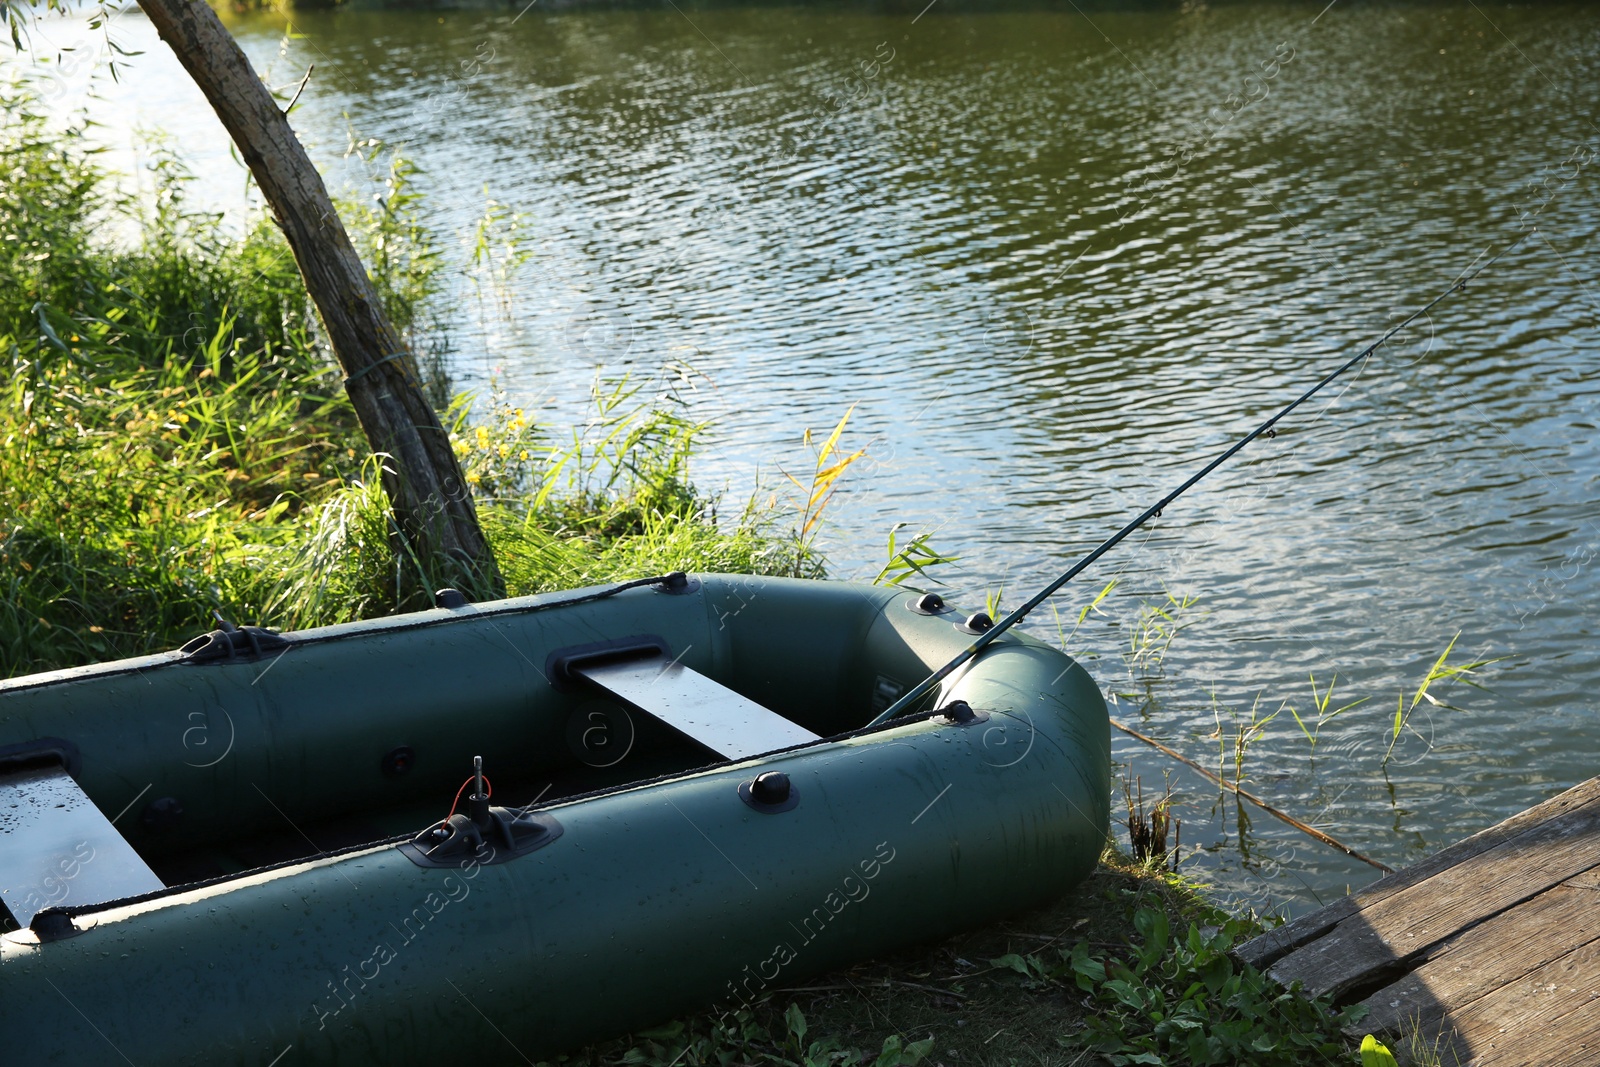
(423, 480)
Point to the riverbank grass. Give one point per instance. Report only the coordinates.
(1129, 968)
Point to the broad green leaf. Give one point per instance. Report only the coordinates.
(1012, 961)
(833, 438)
(796, 1021)
(1375, 1054)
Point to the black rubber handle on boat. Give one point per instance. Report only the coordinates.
(562, 665)
(917, 692)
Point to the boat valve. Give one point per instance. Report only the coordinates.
(478, 800)
(769, 792)
(959, 713)
(978, 622)
(771, 787)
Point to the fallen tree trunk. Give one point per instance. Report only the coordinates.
(423, 480)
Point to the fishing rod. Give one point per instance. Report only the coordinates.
(989, 636)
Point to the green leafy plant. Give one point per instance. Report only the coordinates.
(391, 234)
(611, 498)
(831, 462)
(1375, 1054)
(1235, 738)
(1414, 1046)
(991, 603)
(402, 256)
(1170, 999)
(499, 251)
(829, 1052)
(911, 559)
(1184, 1000)
(177, 441)
(627, 461)
(167, 410)
(1091, 608)
(1247, 733)
(1325, 713)
(1442, 670)
(1154, 630)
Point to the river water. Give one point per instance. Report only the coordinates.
(1056, 259)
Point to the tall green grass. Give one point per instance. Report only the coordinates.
(166, 407)
(176, 441)
(607, 500)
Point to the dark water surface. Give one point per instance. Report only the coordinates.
(1057, 260)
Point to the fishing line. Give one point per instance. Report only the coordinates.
(988, 637)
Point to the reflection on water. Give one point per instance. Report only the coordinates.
(1059, 260)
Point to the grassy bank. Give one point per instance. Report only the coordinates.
(1129, 968)
(177, 442)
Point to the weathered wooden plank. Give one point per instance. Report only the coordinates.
(1274, 944)
(1580, 1041)
(1486, 957)
(1586, 880)
(1547, 1016)
(1402, 924)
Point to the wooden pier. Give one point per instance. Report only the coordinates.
(1489, 948)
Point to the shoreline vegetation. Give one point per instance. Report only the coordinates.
(178, 444)
(177, 447)
(1129, 968)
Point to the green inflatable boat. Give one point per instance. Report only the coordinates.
(520, 825)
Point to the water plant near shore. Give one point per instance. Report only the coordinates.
(1147, 831)
(829, 465)
(1154, 630)
(166, 412)
(1441, 671)
(1325, 712)
(913, 559)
